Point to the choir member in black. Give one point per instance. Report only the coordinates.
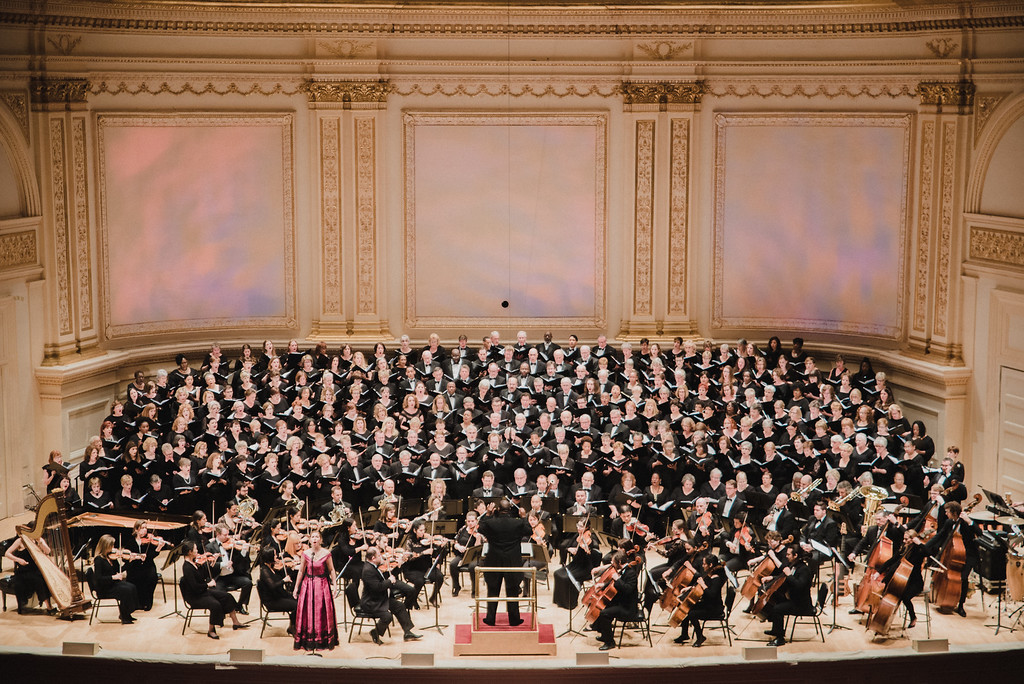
(110, 580)
(96, 499)
(421, 568)
(28, 580)
(795, 596)
(128, 497)
(347, 555)
(142, 570)
(160, 498)
(504, 534)
(709, 606)
(54, 470)
(231, 565)
(186, 487)
(273, 587)
(72, 501)
(821, 530)
(200, 590)
(379, 599)
(957, 520)
(583, 554)
(624, 605)
(466, 538)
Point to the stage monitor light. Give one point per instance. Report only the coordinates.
(245, 655)
(417, 660)
(80, 648)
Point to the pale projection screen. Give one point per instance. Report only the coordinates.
(196, 222)
(810, 223)
(505, 209)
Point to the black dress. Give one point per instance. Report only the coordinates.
(28, 580)
(107, 587)
(196, 591)
(142, 572)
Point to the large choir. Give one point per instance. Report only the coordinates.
(679, 477)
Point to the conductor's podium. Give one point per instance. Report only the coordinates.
(504, 640)
(528, 638)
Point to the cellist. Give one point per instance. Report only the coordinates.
(885, 526)
(623, 604)
(798, 595)
(958, 521)
(709, 606)
(915, 552)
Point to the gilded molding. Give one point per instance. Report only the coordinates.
(348, 92)
(960, 94)
(662, 50)
(1000, 246)
(924, 222)
(986, 105)
(643, 247)
(83, 257)
(345, 49)
(679, 182)
(18, 249)
(59, 90)
(942, 47)
(330, 165)
(945, 228)
(17, 102)
(202, 88)
(788, 91)
(366, 216)
(60, 224)
(663, 93)
(476, 89)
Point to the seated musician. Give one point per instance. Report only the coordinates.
(775, 552)
(673, 548)
(382, 598)
(623, 605)
(822, 530)
(795, 596)
(110, 580)
(736, 543)
(466, 538)
(885, 526)
(199, 530)
(28, 579)
(709, 606)
(421, 566)
(347, 556)
(231, 567)
(273, 587)
(915, 551)
(201, 592)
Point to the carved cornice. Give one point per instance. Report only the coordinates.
(59, 90)
(348, 92)
(986, 105)
(1001, 246)
(18, 249)
(959, 94)
(663, 93)
(17, 102)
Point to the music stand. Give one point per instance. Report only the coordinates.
(835, 588)
(172, 560)
(472, 555)
(437, 602)
(409, 508)
(453, 508)
(579, 589)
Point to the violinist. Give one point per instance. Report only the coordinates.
(737, 547)
(420, 568)
(231, 565)
(200, 590)
(382, 597)
(110, 579)
(709, 606)
(467, 537)
(234, 521)
(273, 587)
(623, 604)
(701, 525)
(142, 571)
(672, 547)
(199, 530)
(626, 527)
(388, 525)
(797, 595)
(583, 557)
(347, 555)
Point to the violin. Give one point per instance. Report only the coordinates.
(637, 528)
(152, 539)
(125, 555)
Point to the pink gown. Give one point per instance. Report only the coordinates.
(316, 627)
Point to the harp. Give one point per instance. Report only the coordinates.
(57, 567)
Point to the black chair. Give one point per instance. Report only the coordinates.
(359, 618)
(190, 613)
(265, 612)
(723, 621)
(6, 587)
(640, 621)
(97, 600)
(814, 617)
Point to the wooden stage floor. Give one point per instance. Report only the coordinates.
(153, 638)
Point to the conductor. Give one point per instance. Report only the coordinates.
(504, 535)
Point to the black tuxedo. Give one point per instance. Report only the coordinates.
(504, 536)
(379, 599)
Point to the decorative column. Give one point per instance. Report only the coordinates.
(944, 134)
(61, 109)
(348, 114)
(661, 217)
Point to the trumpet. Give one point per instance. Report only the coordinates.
(800, 495)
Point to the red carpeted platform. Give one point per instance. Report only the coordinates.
(503, 639)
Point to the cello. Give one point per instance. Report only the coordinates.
(693, 596)
(683, 577)
(946, 585)
(890, 598)
(764, 569)
(870, 587)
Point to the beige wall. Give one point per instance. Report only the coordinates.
(349, 81)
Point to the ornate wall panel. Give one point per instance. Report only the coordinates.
(926, 195)
(330, 210)
(366, 216)
(60, 223)
(643, 220)
(678, 217)
(83, 253)
(18, 249)
(945, 228)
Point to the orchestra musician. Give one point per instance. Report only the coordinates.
(231, 565)
(200, 590)
(421, 568)
(822, 530)
(273, 587)
(583, 554)
(28, 580)
(623, 604)
(142, 570)
(347, 554)
(380, 599)
(709, 606)
(467, 537)
(958, 521)
(797, 591)
(110, 579)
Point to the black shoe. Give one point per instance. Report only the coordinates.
(770, 632)
(376, 637)
(854, 611)
(239, 627)
(243, 610)
(455, 592)
(700, 640)
(409, 636)
(127, 621)
(682, 639)
(489, 623)
(213, 635)
(960, 611)
(777, 641)
(290, 631)
(516, 623)
(606, 646)
(748, 609)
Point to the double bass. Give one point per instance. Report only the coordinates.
(871, 586)
(946, 585)
(889, 599)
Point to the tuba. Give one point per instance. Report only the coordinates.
(873, 496)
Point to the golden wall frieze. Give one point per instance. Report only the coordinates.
(83, 254)
(663, 93)
(808, 91)
(60, 224)
(17, 102)
(942, 47)
(678, 220)
(959, 94)
(477, 89)
(346, 49)
(986, 104)
(144, 87)
(59, 90)
(945, 228)
(18, 249)
(330, 178)
(643, 239)
(924, 222)
(663, 50)
(374, 92)
(64, 43)
(999, 246)
(366, 215)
